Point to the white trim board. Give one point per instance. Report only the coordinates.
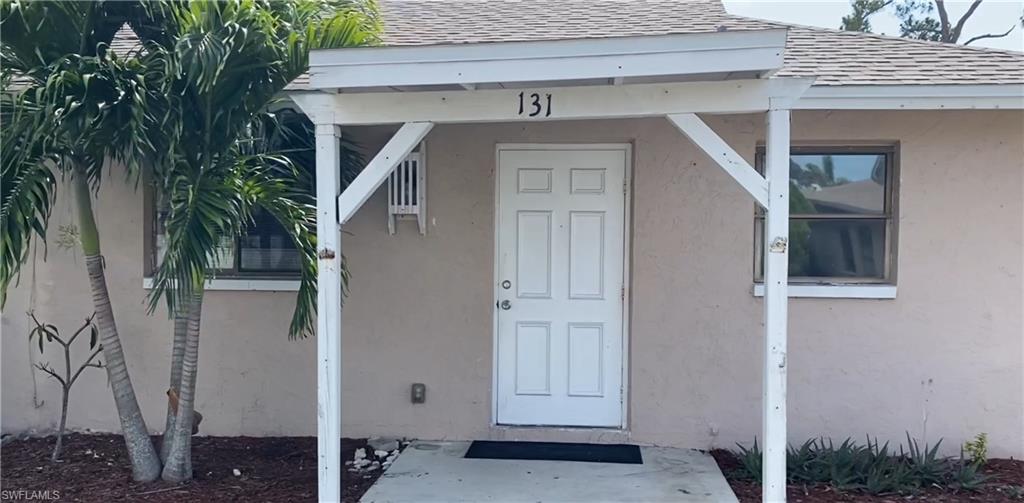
(862, 291)
(913, 97)
(242, 285)
(437, 105)
(748, 51)
(556, 103)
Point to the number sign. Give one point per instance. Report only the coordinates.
(531, 105)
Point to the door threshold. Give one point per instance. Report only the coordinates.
(561, 427)
(578, 434)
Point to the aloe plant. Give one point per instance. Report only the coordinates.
(872, 467)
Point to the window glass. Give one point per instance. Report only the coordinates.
(224, 260)
(837, 183)
(840, 215)
(266, 247)
(834, 248)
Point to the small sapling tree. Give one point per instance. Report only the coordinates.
(48, 333)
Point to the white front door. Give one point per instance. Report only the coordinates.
(561, 218)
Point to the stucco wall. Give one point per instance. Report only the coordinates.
(943, 359)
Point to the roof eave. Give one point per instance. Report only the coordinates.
(913, 97)
(619, 60)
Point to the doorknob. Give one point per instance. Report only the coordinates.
(506, 305)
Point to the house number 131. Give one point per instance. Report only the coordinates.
(532, 106)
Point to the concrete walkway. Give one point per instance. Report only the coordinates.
(428, 472)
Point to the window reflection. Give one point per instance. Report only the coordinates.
(837, 183)
(840, 213)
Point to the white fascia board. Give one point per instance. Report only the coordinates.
(914, 97)
(582, 102)
(573, 59)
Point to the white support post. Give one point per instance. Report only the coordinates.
(378, 169)
(776, 298)
(719, 151)
(328, 328)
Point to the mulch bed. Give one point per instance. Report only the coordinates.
(95, 469)
(283, 469)
(1005, 485)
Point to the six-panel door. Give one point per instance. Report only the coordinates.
(561, 215)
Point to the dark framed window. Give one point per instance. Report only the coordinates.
(842, 215)
(264, 250)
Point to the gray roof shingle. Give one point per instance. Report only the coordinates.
(427, 22)
(834, 57)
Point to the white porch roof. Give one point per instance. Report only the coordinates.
(634, 76)
(551, 63)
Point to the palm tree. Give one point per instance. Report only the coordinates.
(73, 106)
(232, 60)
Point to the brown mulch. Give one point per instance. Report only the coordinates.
(95, 469)
(1006, 484)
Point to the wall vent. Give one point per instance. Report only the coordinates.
(407, 191)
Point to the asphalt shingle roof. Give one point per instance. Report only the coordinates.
(834, 57)
(421, 22)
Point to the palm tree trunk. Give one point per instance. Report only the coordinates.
(177, 355)
(178, 466)
(141, 453)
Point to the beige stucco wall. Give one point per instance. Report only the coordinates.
(943, 359)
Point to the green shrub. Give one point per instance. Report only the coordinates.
(751, 459)
(1013, 492)
(870, 467)
(967, 477)
(977, 449)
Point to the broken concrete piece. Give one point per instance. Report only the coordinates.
(383, 443)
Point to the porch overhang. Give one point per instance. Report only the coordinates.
(672, 77)
(574, 62)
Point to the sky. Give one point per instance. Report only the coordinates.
(992, 16)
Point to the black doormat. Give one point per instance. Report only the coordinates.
(555, 451)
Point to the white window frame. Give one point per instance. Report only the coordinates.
(834, 291)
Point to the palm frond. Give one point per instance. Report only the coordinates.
(67, 102)
(83, 28)
(27, 186)
(231, 62)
